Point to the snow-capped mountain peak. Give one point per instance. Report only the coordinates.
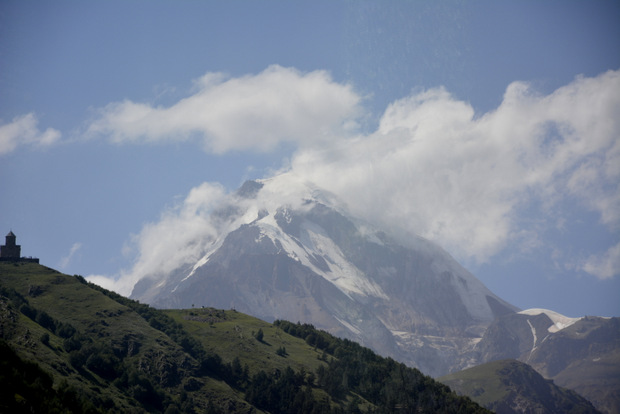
(295, 253)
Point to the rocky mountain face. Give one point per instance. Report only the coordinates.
(306, 259)
(309, 261)
(582, 354)
(508, 387)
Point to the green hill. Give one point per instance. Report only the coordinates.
(71, 346)
(510, 386)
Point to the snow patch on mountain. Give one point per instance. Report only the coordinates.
(350, 327)
(250, 215)
(212, 249)
(559, 321)
(535, 339)
(314, 243)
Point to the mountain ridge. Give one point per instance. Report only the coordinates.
(502, 384)
(583, 356)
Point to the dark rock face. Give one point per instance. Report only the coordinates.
(512, 336)
(584, 357)
(509, 387)
(249, 189)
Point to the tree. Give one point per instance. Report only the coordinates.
(259, 335)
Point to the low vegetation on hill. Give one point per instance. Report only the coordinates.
(68, 346)
(508, 387)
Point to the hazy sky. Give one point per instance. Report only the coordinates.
(492, 128)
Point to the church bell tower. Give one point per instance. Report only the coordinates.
(10, 250)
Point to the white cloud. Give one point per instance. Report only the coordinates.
(255, 112)
(64, 262)
(604, 266)
(117, 285)
(435, 169)
(184, 233)
(432, 168)
(179, 237)
(23, 131)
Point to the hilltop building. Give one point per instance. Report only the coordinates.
(11, 251)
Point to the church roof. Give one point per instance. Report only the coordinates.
(10, 234)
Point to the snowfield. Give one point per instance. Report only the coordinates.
(559, 321)
(314, 242)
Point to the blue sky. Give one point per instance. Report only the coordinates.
(489, 127)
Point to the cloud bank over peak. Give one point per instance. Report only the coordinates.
(252, 112)
(435, 169)
(475, 184)
(180, 237)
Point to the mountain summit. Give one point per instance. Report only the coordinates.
(298, 255)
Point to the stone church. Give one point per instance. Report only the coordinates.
(11, 251)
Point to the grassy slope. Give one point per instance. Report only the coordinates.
(139, 368)
(64, 298)
(482, 383)
(232, 334)
(507, 385)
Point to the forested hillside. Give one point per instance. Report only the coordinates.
(70, 346)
